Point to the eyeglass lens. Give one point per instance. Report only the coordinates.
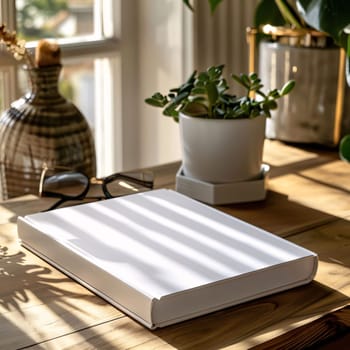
(67, 183)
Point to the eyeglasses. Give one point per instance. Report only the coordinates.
(67, 184)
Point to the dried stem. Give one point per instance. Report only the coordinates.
(15, 46)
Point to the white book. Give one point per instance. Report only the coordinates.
(162, 257)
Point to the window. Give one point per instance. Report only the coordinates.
(63, 19)
(59, 19)
(115, 54)
(87, 34)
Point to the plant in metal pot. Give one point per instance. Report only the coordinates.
(222, 135)
(307, 33)
(331, 17)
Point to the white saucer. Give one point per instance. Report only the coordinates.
(218, 194)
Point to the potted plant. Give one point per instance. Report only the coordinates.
(297, 47)
(222, 135)
(332, 17)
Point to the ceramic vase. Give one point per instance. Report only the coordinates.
(42, 127)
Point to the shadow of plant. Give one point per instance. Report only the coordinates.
(13, 267)
(39, 298)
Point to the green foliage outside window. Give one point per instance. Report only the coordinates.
(30, 15)
(34, 18)
(66, 89)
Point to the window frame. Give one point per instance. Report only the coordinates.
(104, 48)
(150, 50)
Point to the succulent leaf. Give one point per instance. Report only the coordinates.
(205, 94)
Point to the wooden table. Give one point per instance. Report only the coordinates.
(308, 203)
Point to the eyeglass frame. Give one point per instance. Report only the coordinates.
(101, 181)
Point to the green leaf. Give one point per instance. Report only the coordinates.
(213, 4)
(215, 72)
(179, 98)
(330, 16)
(256, 86)
(267, 12)
(199, 90)
(171, 111)
(344, 148)
(192, 78)
(289, 14)
(185, 88)
(199, 100)
(262, 94)
(187, 3)
(222, 87)
(254, 77)
(203, 77)
(212, 93)
(157, 100)
(152, 102)
(212, 72)
(267, 113)
(269, 104)
(254, 113)
(287, 87)
(240, 80)
(245, 80)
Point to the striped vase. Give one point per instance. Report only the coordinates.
(42, 127)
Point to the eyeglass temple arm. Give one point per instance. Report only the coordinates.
(114, 177)
(111, 178)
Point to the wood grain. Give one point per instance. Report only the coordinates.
(330, 331)
(308, 203)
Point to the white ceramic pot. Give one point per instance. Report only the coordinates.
(222, 150)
